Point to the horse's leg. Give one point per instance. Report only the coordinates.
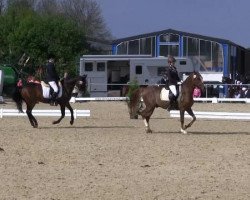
(191, 113)
(182, 112)
(71, 112)
(32, 119)
(146, 114)
(146, 122)
(62, 106)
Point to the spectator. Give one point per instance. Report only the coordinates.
(197, 92)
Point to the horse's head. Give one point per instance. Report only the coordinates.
(82, 83)
(197, 80)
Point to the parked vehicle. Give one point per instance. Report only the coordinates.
(108, 73)
(8, 80)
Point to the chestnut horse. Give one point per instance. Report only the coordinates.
(32, 93)
(144, 100)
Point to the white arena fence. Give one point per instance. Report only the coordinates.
(43, 113)
(80, 99)
(214, 115)
(208, 100)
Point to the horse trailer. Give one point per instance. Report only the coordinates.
(106, 74)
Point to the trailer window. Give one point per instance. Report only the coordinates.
(161, 71)
(183, 62)
(138, 69)
(101, 67)
(88, 67)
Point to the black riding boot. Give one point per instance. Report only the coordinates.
(173, 104)
(53, 101)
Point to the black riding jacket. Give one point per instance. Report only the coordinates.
(173, 77)
(51, 73)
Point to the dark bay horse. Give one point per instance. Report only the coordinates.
(32, 93)
(144, 100)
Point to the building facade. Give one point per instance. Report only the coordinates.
(208, 54)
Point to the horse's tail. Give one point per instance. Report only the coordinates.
(17, 97)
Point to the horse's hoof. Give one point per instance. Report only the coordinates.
(149, 131)
(183, 131)
(54, 122)
(71, 122)
(35, 126)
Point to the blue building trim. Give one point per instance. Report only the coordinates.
(114, 49)
(225, 48)
(180, 46)
(157, 46)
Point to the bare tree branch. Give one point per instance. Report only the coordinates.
(87, 14)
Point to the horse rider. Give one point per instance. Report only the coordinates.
(52, 78)
(173, 79)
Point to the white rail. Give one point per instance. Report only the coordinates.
(43, 113)
(214, 115)
(220, 100)
(79, 99)
(210, 100)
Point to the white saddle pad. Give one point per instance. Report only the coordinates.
(46, 91)
(164, 96)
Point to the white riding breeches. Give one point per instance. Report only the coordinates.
(54, 86)
(173, 89)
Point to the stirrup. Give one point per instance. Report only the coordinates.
(53, 103)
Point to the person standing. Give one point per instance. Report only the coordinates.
(173, 79)
(52, 78)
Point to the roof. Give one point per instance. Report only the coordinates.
(219, 40)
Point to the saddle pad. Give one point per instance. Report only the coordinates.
(164, 95)
(46, 91)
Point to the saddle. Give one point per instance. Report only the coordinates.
(48, 90)
(164, 95)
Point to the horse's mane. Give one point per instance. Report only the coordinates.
(190, 77)
(70, 80)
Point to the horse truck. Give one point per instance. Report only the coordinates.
(108, 73)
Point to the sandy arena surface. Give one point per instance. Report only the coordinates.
(108, 156)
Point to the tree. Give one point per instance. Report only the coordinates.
(1, 7)
(87, 14)
(47, 7)
(41, 27)
(38, 36)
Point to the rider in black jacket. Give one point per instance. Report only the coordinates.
(52, 78)
(173, 79)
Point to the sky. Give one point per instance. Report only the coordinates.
(225, 19)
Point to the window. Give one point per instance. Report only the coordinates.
(138, 69)
(183, 62)
(88, 67)
(122, 48)
(133, 47)
(169, 37)
(161, 71)
(205, 55)
(145, 46)
(166, 50)
(193, 47)
(101, 66)
(217, 57)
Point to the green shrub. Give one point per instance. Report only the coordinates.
(133, 85)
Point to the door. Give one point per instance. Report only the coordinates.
(98, 78)
(139, 72)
